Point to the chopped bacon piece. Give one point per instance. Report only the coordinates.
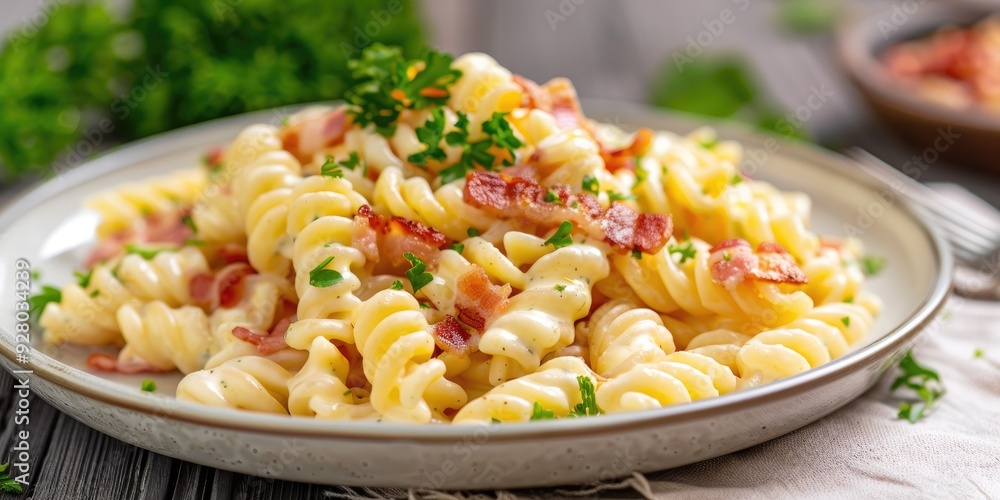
(229, 285)
(382, 239)
(312, 134)
(734, 261)
(200, 287)
(522, 170)
(166, 228)
(566, 105)
(615, 159)
(478, 301)
(213, 157)
(523, 200)
(451, 337)
(231, 253)
(267, 343)
(108, 363)
(533, 96)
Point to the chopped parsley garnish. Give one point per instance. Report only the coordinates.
(560, 288)
(687, 251)
(849, 300)
(331, 168)
(351, 162)
(922, 380)
(348, 392)
(552, 197)
(417, 274)
(37, 302)
(590, 184)
(321, 277)
(588, 394)
(539, 413)
(95, 293)
(736, 179)
(396, 285)
(846, 320)
(189, 222)
(636, 254)
(387, 84)
(640, 173)
(614, 196)
(458, 247)
(83, 279)
(978, 353)
(495, 420)
(430, 134)
(145, 253)
(8, 484)
(194, 242)
(872, 264)
(561, 238)
(148, 386)
(498, 134)
(472, 232)
(726, 256)
(424, 305)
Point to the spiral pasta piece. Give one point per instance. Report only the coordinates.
(246, 383)
(623, 334)
(681, 378)
(667, 285)
(556, 291)
(125, 206)
(394, 339)
(554, 386)
(484, 88)
(165, 338)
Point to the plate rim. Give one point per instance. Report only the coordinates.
(83, 383)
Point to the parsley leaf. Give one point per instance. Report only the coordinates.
(636, 254)
(331, 168)
(552, 197)
(846, 320)
(590, 184)
(83, 279)
(561, 237)
(417, 274)
(189, 222)
(6, 483)
(430, 133)
(396, 285)
(148, 386)
(726, 256)
(588, 394)
(978, 353)
(472, 232)
(388, 83)
(539, 413)
(145, 253)
(502, 136)
(560, 288)
(614, 196)
(640, 173)
(37, 302)
(352, 161)
(321, 277)
(458, 247)
(736, 179)
(687, 251)
(922, 380)
(872, 264)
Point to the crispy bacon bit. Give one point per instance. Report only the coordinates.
(267, 343)
(229, 285)
(478, 301)
(382, 239)
(213, 157)
(312, 134)
(616, 159)
(107, 363)
(533, 95)
(451, 337)
(733, 262)
(200, 287)
(166, 228)
(523, 200)
(231, 253)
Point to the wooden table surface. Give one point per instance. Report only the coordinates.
(70, 460)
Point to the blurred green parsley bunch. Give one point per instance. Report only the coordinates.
(84, 77)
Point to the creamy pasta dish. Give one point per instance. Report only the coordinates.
(458, 244)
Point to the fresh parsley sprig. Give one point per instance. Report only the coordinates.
(586, 408)
(7, 483)
(540, 413)
(686, 251)
(418, 275)
(37, 302)
(321, 277)
(561, 238)
(388, 84)
(872, 264)
(430, 134)
(479, 153)
(922, 380)
(145, 253)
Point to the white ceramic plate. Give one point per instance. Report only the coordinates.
(47, 227)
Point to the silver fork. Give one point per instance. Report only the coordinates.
(974, 236)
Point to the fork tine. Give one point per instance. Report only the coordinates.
(980, 230)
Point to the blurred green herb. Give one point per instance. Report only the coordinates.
(925, 382)
(720, 87)
(808, 16)
(90, 77)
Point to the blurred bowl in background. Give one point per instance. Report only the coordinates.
(861, 42)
